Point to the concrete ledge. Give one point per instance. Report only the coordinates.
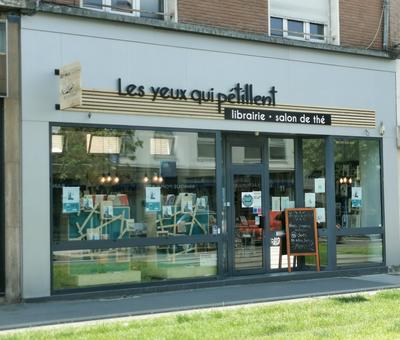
(171, 286)
(30, 8)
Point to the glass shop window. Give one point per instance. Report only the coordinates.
(358, 183)
(108, 184)
(314, 178)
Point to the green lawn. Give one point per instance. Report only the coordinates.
(350, 317)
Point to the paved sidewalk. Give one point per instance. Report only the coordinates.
(56, 312)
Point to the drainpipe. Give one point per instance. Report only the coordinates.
(386, 11)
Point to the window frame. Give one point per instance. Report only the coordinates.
(307, 36)
(65, 245)
(274, 29)
(106, 6)
(296, 34)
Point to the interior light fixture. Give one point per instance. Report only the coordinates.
(108, 179)
(155, 178)
(145, 179)
(345, 180)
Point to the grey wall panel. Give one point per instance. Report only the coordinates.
(35, 215)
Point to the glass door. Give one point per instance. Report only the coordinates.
(248, 220)
(247, 196)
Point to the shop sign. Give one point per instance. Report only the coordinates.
(272, 116)
(70, 86)
(239, 94)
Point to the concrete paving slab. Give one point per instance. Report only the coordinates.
(56, 312)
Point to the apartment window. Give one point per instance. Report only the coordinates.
(122, 5)
(161, 146)
(295, 29)
(277, 149)
(246, 154)
(205, 146)
(162, 143)
(94, 4)
(277, 27)
(147, 9)
(317, 31)
(152, 9)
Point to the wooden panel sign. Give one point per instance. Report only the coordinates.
(301, 233)
(70, 86)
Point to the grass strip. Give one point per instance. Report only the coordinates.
(357, 317)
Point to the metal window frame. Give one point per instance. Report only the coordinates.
(232, 169)
(5, 21)
(2, 204)
(222, 178)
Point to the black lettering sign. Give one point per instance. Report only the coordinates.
(240, 94)
(274, 116)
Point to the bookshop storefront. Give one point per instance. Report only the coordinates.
(144, 203)
(183, 174)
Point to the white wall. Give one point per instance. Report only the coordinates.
(309, 10)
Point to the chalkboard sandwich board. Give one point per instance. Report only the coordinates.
(301, 233)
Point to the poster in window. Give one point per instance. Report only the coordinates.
(168, 169)
(319, 184)
(285, 202)
(70, 199)
(201, 202)
(320, 215)
(167, 211)
(276, 203)
(309, 200)
(153, 199)
(257, 199)
(356, 197)
(170, 200)
(87, 202)
(187, 203)
(106, 210)
(247, 199)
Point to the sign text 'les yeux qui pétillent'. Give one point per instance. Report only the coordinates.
(236, 95)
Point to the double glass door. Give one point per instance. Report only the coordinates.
(261, 185)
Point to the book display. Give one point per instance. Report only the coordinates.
(185, 215)
(100, 218)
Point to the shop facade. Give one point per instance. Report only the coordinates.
(186, 149)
